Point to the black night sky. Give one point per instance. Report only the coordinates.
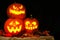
(45, 12)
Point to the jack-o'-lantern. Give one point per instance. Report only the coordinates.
(16, 10)
(13, 26)
(31, 24)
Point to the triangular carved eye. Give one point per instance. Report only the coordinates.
(34, 23)
(17, 22)
(14, 23)
(21, 7)
(27, 22)
(11, 23)
(14, 7)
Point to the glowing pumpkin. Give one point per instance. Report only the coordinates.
(13, 26)
(16, 10)
(31, 24)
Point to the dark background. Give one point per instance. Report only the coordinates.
(44, 11)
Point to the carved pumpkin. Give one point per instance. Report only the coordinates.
(16, 10)
(13, 26)
(31, 24)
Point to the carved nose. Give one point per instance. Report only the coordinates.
(17, 9)
(30, 25)
(14, 25)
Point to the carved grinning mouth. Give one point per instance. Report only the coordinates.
(31, 28)
(12, 29)
(16, 12)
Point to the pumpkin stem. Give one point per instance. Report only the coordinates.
(31, 16)
(15, 1)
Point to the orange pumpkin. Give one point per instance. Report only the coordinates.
(31, 24)
(16, 10)
(13, 26)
